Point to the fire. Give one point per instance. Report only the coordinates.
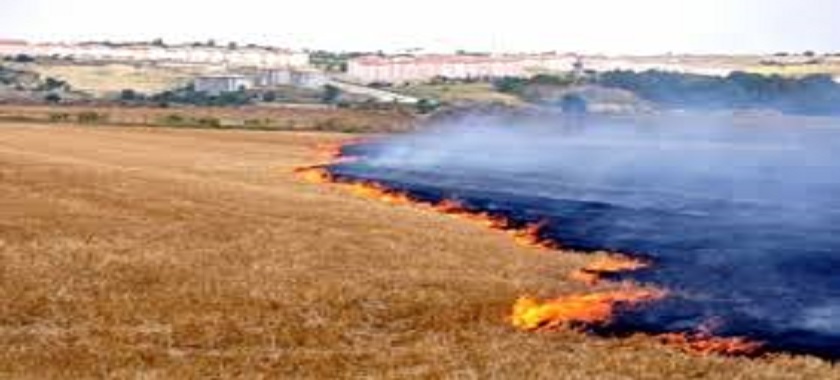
(532, 236)
(481, 218)
(334, 152)
(711, 345)
(586, 309)
(320, 174)
(330, 150)
(605, 266)
(315, 174)
(375, 191)
(580, 310)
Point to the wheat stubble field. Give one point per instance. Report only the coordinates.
(155, 253)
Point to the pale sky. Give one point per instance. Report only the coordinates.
(590, 26)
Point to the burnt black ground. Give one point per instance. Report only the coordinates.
(742, 220)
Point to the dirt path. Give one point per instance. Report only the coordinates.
(193, 253)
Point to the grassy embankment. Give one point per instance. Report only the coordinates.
(251, 118)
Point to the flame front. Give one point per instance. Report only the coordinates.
(586, 309)
(573, 311)
(708, 344)
(315, 174)
(606, 266)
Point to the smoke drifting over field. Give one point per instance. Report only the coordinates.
(741, 220)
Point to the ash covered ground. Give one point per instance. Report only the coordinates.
(740, 216)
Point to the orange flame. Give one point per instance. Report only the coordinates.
(532, 236)
(315, 174)
(710, 345)
(605, 266)
(529, 235)
(595, 309)
(375, 191)
(330, 150)
(588, 309)
(334, 152)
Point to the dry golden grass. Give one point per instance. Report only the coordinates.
(460, 92)
(832, 67)
(108, 79)
(155, 253)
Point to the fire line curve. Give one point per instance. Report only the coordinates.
(591, 312)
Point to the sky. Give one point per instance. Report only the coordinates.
(586, 26)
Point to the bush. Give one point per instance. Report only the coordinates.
(51, 84)
(53, 98)
(23, 58)
(212, 122)
(269, 97)
(173, 120)
(59, 117)
(425, 106)
(129, 95)
(91, 118)
(574, 104)
(510, 85)
(331, 94)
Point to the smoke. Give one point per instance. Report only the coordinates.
(740, 215)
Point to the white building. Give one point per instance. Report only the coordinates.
(13, 47)
(239, 57)
(219, 84)
(298, 78)
(372, 69)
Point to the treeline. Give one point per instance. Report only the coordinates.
(809, 95)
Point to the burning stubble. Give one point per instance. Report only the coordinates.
(718, 220)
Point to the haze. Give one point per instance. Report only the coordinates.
(593, 26)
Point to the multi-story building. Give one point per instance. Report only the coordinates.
(370, 69)
(298, 78)
(238, 57)
(218, 84)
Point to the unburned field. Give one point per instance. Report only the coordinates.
(173, 253)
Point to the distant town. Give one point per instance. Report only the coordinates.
(211, 73)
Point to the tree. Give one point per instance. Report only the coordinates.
(331, 94)
(510, 85)
(269, 97)
(232, 46)
(52, 98)
(51, 84)
(574, 104)
(23, 58)
(425, 106)
(158, 42)
(129, 95)
(553, 80)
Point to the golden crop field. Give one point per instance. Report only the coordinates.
(177, 253)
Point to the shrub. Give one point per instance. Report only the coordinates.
(129, 95)
(91, 117)
(59, 117)
(53, 98)
(425, 106)
(23, 58)
(574, 104)
(209, 122)
(331, 94)
(173, 120)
